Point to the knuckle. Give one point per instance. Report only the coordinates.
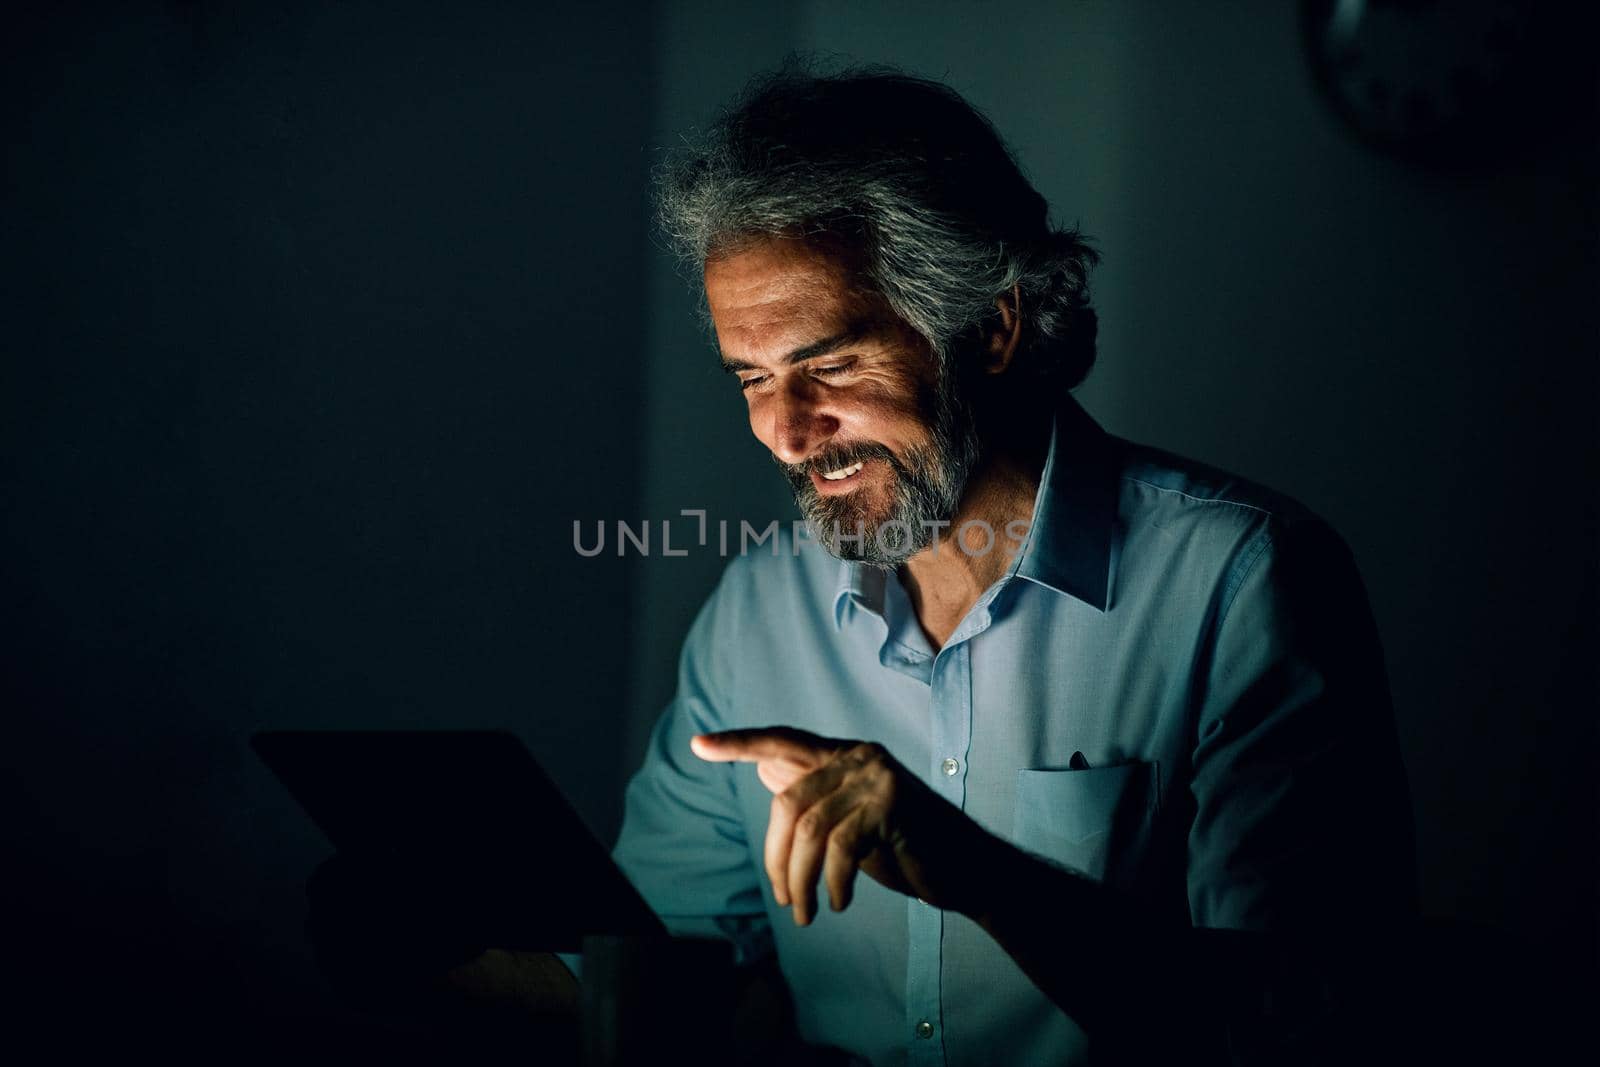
(875, 752)
(810, 824)
(868, 753)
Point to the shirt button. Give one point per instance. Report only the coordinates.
(924, 1029)
(950, 766)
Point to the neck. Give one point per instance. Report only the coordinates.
(945, 579)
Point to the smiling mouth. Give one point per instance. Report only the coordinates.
(840, 480)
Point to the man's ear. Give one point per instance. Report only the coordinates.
(1003, 338)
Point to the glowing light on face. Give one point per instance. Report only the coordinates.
(870, 427)
(925, 487)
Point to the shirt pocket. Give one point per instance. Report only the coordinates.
(1095, 821)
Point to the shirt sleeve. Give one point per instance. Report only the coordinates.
(683, 842)
(1302, 815)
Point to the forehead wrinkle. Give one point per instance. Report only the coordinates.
(769, 299)
(777, 324)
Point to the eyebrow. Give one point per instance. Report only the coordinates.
(823, 347)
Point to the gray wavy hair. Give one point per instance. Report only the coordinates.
(914, 184)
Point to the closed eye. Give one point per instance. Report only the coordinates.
(828, 371)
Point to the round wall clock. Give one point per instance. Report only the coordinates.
(1456, 81)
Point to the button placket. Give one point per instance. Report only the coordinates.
(950, 725)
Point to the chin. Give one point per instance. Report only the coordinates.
(825, 515)
(847, 513)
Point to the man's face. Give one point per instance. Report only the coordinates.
(846, 396)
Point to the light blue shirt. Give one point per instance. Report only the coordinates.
(1201, 644)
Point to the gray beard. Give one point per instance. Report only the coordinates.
(928, 486)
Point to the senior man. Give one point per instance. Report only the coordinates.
(1063, 698)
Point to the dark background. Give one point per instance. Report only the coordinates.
(322, 324)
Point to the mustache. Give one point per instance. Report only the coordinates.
(833, 458)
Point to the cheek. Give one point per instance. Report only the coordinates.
(894, 416)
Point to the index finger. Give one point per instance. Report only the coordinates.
(762, 743)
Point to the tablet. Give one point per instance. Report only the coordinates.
(470, 811)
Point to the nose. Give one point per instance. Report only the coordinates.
(799, 425)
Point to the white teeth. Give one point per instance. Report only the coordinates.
(844, 472)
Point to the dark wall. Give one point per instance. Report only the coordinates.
(321, 326)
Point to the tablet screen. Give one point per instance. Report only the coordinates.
(475, 813)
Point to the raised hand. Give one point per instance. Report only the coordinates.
(839, 806)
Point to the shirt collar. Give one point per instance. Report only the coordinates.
(858, 584)
(1068, 547)
(1075, 513)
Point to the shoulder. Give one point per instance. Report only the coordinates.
(773, 570)
(1175, 508)
(1169, 487)
(772, 604)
